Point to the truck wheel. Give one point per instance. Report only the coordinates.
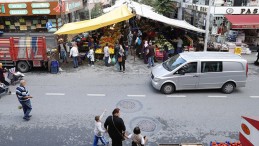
(168, 88)
(23, 66)
(228, 87)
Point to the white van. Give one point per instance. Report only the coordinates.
(200, 70)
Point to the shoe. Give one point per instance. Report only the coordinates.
(26, 118)
(123, 71)
(29, 116)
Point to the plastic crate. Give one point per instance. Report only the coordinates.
(54, 69)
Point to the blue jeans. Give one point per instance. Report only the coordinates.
(106, 61)
(75, 61)
(96, 139)
(64, 56)
(151, 61)
(26, 106)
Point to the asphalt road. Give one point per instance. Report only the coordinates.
(64, 106)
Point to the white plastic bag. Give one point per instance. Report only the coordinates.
(109, 60)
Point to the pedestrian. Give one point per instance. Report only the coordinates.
(121, 58)
(116, 128)
(106, 54)
(150, 54)
(145, 47)
(63, 51)
(90, 56)
(179, 45)
(165, 53)
(74, 54)
(257, 57)
(137, 138)
(138, 42)
(23, 96)
(98, 130)
(2, 76)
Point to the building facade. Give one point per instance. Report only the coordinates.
(230, 20)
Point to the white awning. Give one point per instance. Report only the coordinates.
(148, 12)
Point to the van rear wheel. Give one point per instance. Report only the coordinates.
(168, 88)
(228, 87)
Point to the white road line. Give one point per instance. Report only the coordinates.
(55, 94)
(136, 95)
(217, 96)
(95, 94)
(175, 96)
(254, 96)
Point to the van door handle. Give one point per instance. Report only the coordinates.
(195, 76)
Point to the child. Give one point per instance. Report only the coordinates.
(137, 138)
(98, 131)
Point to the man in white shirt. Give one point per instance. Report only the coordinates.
(74, 54)
(106, 54)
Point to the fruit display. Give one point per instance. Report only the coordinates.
(227, 143)
(161, 41)
(100, 50)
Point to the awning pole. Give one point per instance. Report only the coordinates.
(207, 27)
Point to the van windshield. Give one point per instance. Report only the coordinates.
(173, 62)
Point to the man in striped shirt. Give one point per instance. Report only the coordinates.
(24, 98)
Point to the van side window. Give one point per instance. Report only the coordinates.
(215, 66)
(190, 67)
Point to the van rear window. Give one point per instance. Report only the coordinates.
(211, 66)
(233, 66)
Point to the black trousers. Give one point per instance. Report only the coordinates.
(122, 64)
(116, 142)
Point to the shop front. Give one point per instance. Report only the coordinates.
(29, 16)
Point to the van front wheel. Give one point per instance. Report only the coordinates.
(168, 88)
(228, 87)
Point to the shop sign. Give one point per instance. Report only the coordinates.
(249, 11)
(40, 11)
(17, 6)
(18, 12)
(245, 26)
(199, 8)
(40, 5)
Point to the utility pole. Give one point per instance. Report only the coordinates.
(207, 26)
(89, 10)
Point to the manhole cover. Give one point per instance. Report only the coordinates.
(146, 124)
(129, 105)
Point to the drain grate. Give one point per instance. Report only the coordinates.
(129, 105)
(146, 124)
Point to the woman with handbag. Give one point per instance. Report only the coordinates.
(115, 127)
(121, 58)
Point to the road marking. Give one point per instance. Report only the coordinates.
(95, 94)
(175, 96)
(217, 96)
(254, 96)
(55, 94)
(136, 95)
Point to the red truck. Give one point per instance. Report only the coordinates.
(23, 52)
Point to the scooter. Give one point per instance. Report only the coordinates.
(4, 90)
(14, 77)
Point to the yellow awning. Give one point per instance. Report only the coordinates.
(117, 15)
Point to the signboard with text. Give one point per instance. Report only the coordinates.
(28, 8)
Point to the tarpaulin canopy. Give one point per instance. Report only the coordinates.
(148, 12)
(117, 15)
(244, 21)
